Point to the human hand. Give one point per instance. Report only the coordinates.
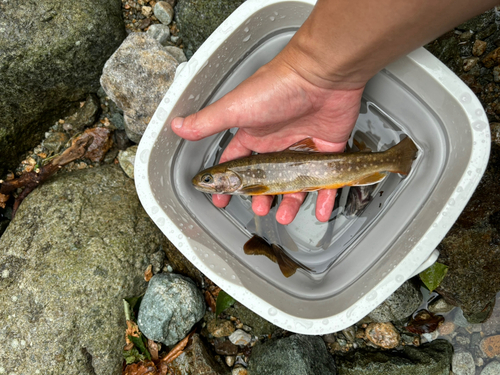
(273, 109)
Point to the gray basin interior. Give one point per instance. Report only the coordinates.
(356, 254)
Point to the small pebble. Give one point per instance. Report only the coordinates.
(220, 328)
(490, 346)
(240, 337)
(383, 335)
(127, 159)
(467, 35)
(240, 370)
(446, 328)
(492, 368)
(160, 32)
(146, 11)
(496, 74)
(329, 338)
(462, 340)
(164, 12)
(177, 53)
(440, 306)
(230, 360)
(470, 63)
(225, 348)
(479, 47)
(463, 363)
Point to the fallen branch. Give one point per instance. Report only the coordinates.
(30, 180)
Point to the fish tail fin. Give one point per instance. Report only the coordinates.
(404, 153)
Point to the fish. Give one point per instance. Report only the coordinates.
(301, 168)
(259, 246)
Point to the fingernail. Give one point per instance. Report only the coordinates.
(177, 122)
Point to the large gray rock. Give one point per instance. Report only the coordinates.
(51, 55)
(294, 355)
(171, 306)
(400, 305)
(429, 359)
(78, 245)
(197, 19)
(136, 77)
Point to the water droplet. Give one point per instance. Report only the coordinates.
(198, 96)
(372, 296)
(205, 255)
(144, 156)
(434, 225)
(272, 18)
(479, 125)
(191, 97)
(160, 221)
(325, 322)
(465, 98)
(400, 278)
(212, 266)
(191, 226)
(195, 248)
(272, 311)
(479, 112)
(478, 170)
(233, 277)
(246, 29)
(155, 209)
(247, 38)
(180, 236)
(460, 189)
(181, 244)
(231, 60)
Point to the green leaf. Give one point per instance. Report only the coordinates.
(132, 307)
(224, 301)
(139, 344)
(433, 275)
(132, 356)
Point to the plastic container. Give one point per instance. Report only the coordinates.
(356, 263)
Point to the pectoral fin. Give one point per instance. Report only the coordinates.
(253, 190)
(370, 180)
(305, 145)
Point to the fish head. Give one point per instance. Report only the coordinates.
(217, 180)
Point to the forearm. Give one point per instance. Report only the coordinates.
(345, 42)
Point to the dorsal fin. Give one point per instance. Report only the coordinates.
(305, 145)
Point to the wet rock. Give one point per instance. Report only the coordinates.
(490, 346)
(84, 116)
(240, 338)
(478, 23)
(440, 306)
(492, 325)
(160, 32)
(225, 347)
(294, 355)
(169, 309)
(127, 159)
(260, 326)
(164, 12)
(52, 57)
(177, 53)
(433, 358)
(197, 359)
(492, 368)
(492, 58)
(240, 370)
(55, 141)
(424, 322)
(400, 305)
(220, 327)
(479, 47)
(197, 19)
(383, 335)
(496, 74)
(136, 77)
(463, 363)
(78, 245)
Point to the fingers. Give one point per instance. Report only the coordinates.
(289, 207)
(324, 204)
(261, 204)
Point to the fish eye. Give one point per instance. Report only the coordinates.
(207, 178)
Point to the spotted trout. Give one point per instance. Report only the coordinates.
(300, 168)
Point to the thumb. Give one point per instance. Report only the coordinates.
(210, 120)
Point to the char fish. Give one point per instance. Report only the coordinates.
(300, 168)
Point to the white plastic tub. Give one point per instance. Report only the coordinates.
(355, 265)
